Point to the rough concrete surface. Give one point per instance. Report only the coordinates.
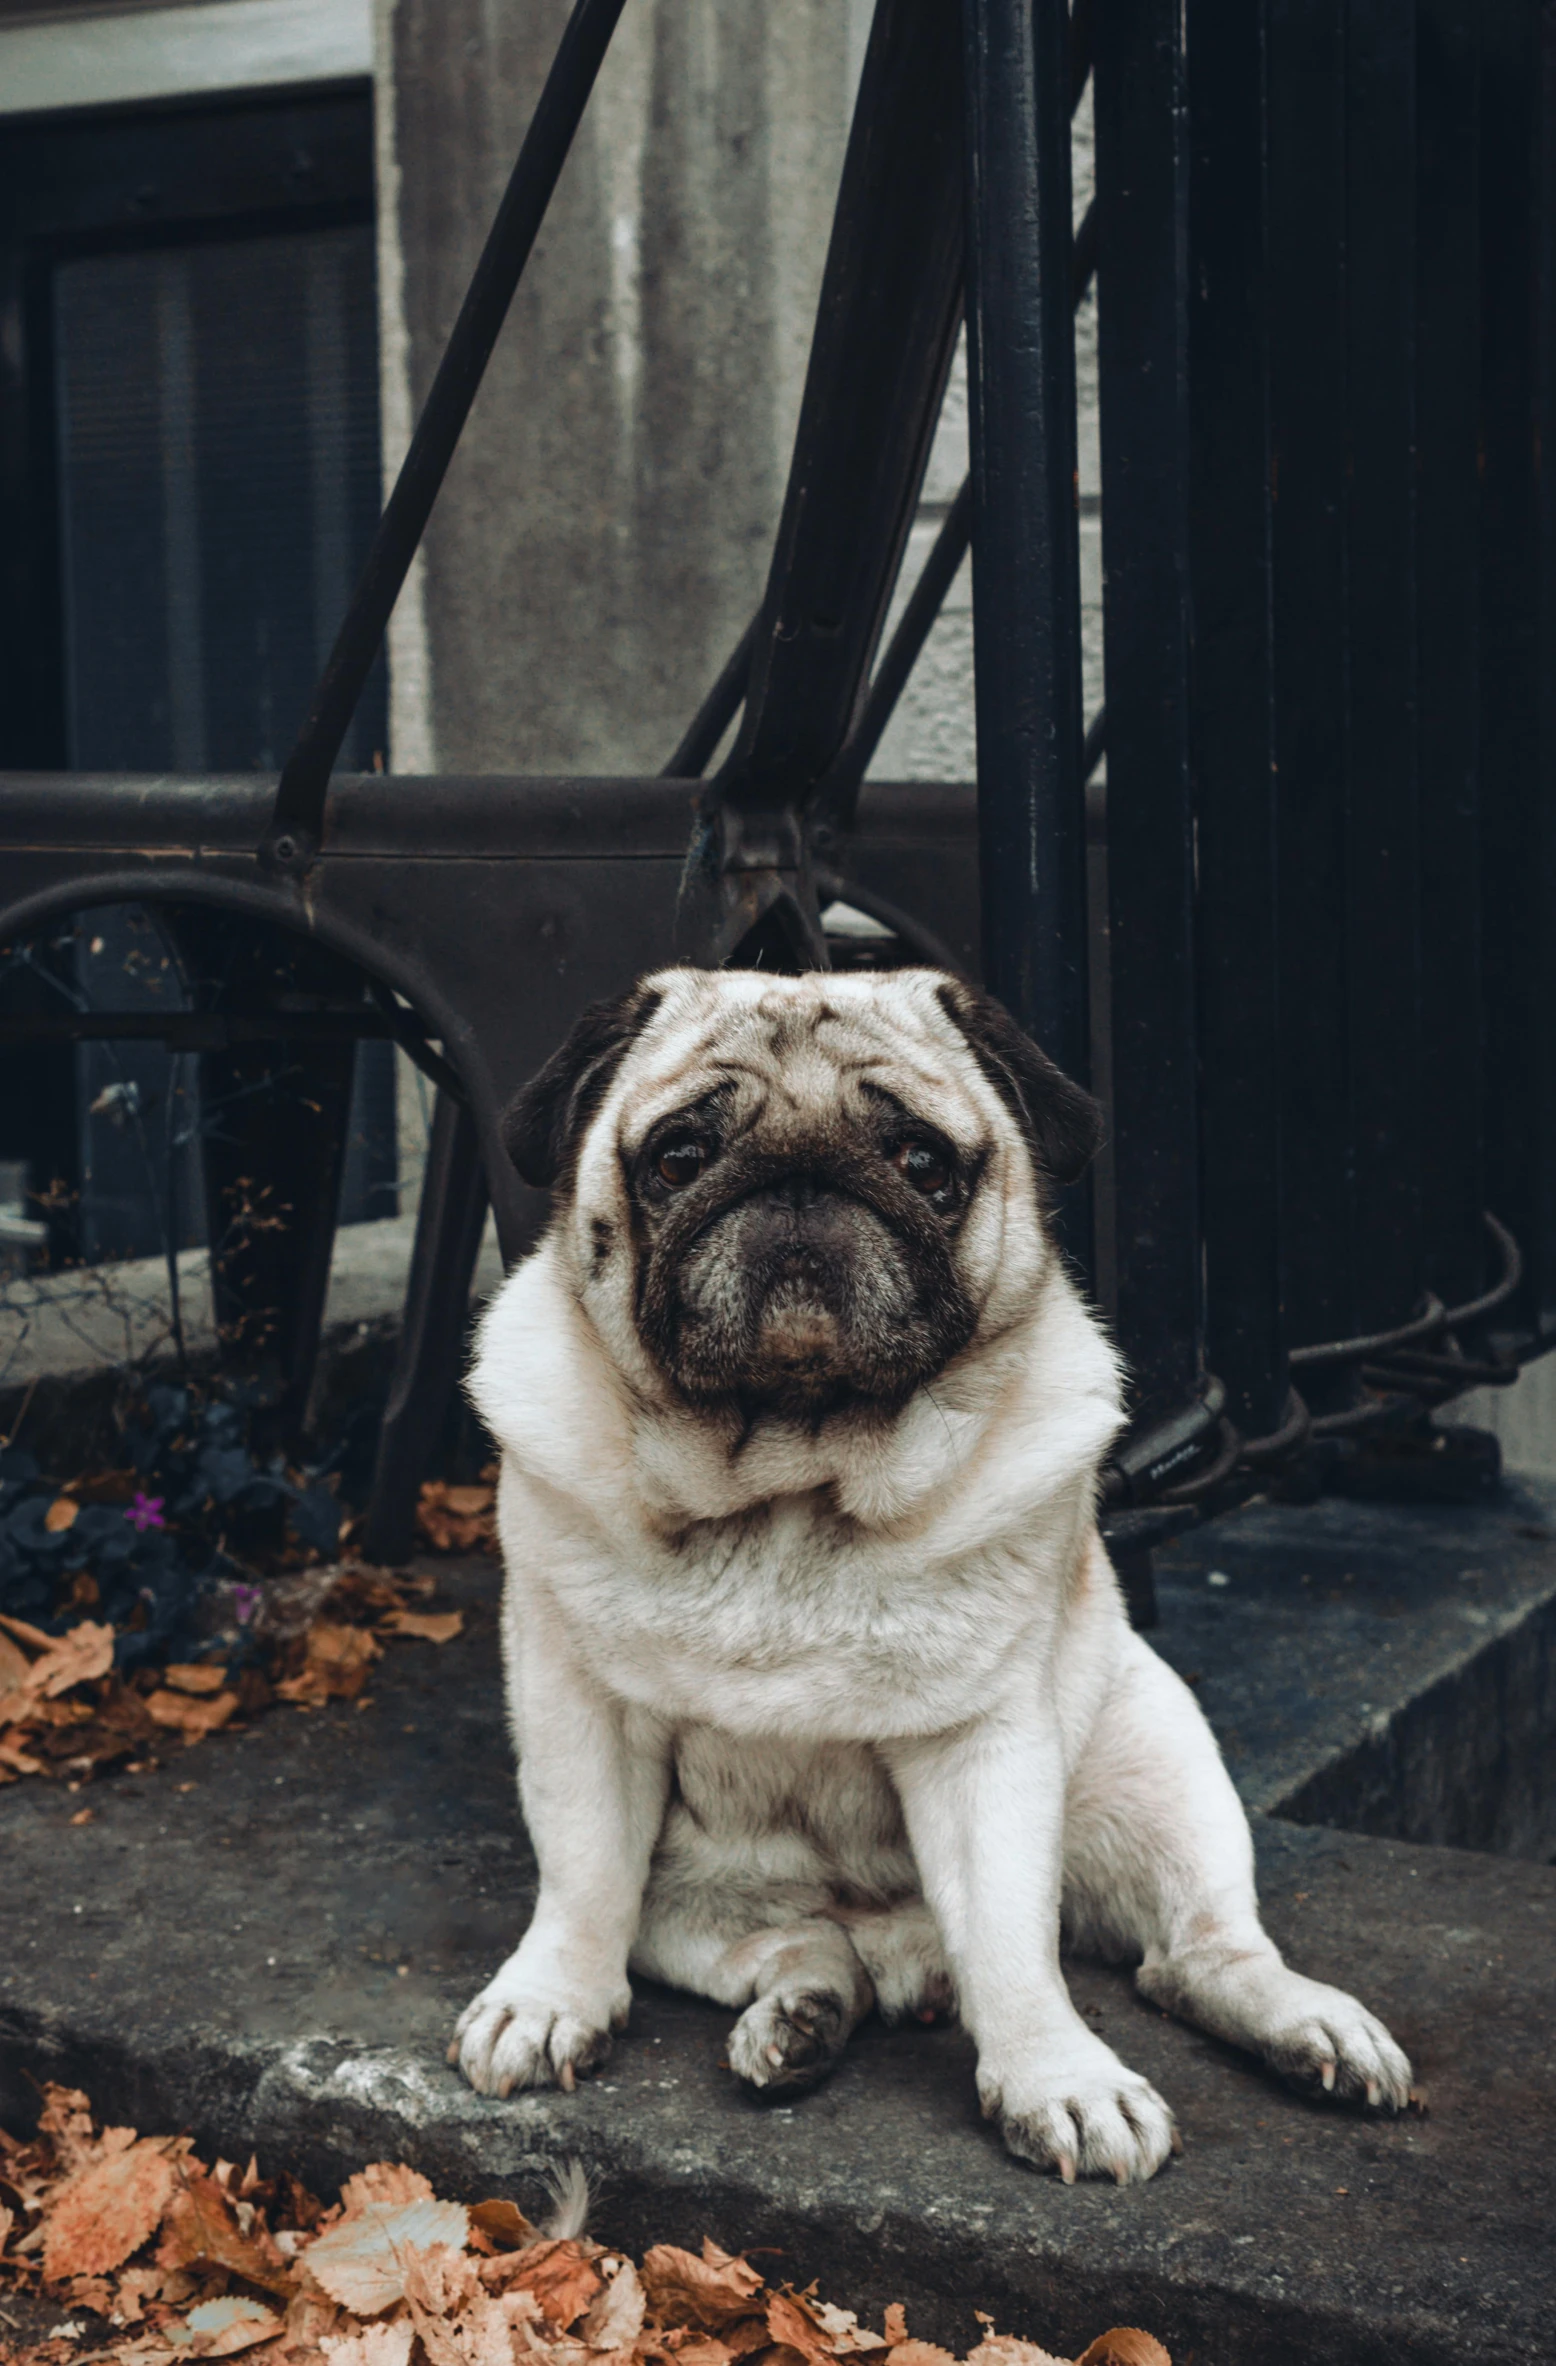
(271, 1947)
(1393, 1670)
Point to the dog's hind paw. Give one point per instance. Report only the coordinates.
(1095, 2119)
(512, 2036)
(789, 2041)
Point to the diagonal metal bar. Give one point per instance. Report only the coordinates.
(723, 702)
(839, 793)
(885, 332)
(716, 713)
(293, 836)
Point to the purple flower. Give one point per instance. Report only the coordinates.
(146, 1511)
(245, 1601)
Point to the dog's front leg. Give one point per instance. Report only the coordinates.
(985, 1815)
(593, 1779)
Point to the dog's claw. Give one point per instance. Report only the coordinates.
(1373, 2090)
(567, 2078)
(1067, 2168)
(1327, 2075)
(1121, 2172)
(1176, 2138)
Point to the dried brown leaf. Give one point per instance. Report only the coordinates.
(311, 2320)
(918, 2353)
(467, 1502)
(431, 1626)
(456, 1519)
(614, 2317)
(1003, 2349)
(383, 2185)
(562, 2276)
(790, 2322)
(842, 2329)
(15, 1667)
(360, 2262)
(440, 2281)
(708, 2293)
(136, 2286)
(382, 2344)
(90, 2292)
(202, 2225)
(196, 1676)
(338, 1659)
(701, 2349)
(1124, 2345)
(83, 1653)
(894, 2325)
(62, 1513)
(502, 2226)
(97, 2218)
(192, 1718)
(222, 2327)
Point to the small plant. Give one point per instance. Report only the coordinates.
(188, 1507)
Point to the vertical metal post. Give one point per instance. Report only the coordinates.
(1305, 246)
(1518, 809)
(1026, 560)
(1233, 773)
(1142, 196)
(449, 1224)
(1447, 295)
(1383, 904)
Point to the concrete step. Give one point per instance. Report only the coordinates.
(269, 1943)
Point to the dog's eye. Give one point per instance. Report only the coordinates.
(680, 1163)
(927, 1169)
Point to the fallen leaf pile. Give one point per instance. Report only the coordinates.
(180, 2260)
(307, 1638)
(459, 1519)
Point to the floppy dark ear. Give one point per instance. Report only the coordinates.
(1061, 1122)
(545, 1121)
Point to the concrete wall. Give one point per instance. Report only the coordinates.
(605, 531)
(603, 537)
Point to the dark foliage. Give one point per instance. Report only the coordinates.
(191, 1504)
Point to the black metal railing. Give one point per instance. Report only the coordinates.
(1314, 906)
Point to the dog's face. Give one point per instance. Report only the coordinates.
(793, 1196)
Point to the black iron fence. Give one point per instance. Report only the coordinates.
(1302, 936)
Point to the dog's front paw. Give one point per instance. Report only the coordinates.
(1325, 2042)
(520, 2033)
(1084, 2114)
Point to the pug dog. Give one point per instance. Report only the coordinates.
(822, 1686)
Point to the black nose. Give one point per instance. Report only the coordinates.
(794, 1194)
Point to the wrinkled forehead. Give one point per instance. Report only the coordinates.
(794, 1050)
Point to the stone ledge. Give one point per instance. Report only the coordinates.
(228, 1957)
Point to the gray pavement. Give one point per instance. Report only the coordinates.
(268, 1943)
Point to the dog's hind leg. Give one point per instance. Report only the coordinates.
(803, 1986)
(1159, 1865)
